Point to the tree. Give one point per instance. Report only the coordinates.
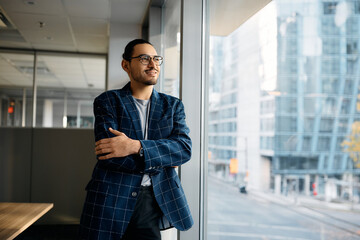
(351, 144)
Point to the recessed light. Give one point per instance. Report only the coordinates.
(48, 38)
(30, 2)
(41, 24)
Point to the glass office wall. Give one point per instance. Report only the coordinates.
(16, 89)
(283, 121)
(65, 87)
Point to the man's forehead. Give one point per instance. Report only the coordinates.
(144, 49)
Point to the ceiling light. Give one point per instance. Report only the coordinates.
(4, 22)
(30, 2)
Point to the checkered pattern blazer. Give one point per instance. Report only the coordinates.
(115, 183)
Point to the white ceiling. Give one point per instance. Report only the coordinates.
(68, 25)
(62, 71)
(228, 15)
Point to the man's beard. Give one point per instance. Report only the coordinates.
(146, 82)
(142, 80)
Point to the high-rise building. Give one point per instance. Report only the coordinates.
(291, 81)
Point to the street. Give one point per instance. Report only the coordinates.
(232, 215)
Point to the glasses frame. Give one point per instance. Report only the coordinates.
(150, 59)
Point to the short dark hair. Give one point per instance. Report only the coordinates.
(129, 49)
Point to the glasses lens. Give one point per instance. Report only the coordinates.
(145, 59)
(158, 60)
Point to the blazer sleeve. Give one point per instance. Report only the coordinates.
(105, 117)
(174, 150)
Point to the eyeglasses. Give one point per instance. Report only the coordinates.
(145, 59)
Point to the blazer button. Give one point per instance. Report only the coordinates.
(134, 194)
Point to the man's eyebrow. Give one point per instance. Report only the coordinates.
(148, 54)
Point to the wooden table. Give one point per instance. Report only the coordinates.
(16, 217)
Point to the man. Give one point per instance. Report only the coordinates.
(141, 137)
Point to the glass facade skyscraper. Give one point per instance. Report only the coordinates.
(288, 98)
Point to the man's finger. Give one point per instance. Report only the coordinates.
(102, 145)
(105, 140)
(115, 132)
(103, 150)
(105, 156)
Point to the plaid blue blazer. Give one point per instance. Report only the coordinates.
(115, 183)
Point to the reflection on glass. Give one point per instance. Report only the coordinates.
(170, 78)
(287, 81)
(16, 89)
(66, 88)
(171, 28)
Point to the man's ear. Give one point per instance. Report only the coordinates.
(125, 65)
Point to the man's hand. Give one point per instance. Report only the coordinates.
(118, 146)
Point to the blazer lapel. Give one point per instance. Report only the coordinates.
(155, 114)
(130, 106)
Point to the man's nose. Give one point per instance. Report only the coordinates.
(152, 63)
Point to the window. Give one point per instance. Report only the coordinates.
(171, 28)
(286, 124)
(66, 88)
(348, 89)
(345, 106)
(331, 65)
(286, 104)
(16, 89)
(339, 141)
(343, 125)
(66, 85)
(326, 125)
(330, 85)
(331, 46)
(352, 28)
(323, 144)
(337, 164)
(328, 26)
(307, 143)
(328, 106)
(308, 124)
(295, 71)
(329, 7)
(352, 46)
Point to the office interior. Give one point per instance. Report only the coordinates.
(56, 56)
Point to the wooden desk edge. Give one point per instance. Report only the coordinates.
(45, 210)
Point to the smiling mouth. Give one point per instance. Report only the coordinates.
(152, 71)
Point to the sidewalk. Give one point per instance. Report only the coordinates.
(343, 217)
(306, 201)
(293, 200)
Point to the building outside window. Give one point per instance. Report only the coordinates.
(288, 79)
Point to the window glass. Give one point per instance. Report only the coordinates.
(16, 89)
(283, 119)
(171, 48)
(66, 87)
(170, 75)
